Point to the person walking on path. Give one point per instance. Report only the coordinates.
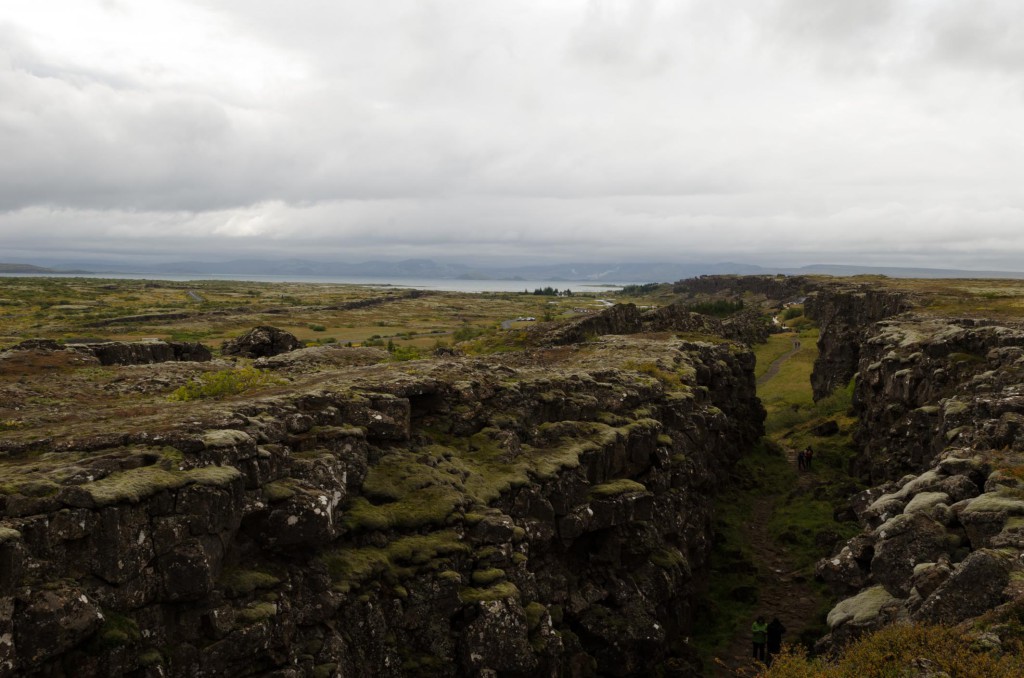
(759, 634)
(801, 461)
(774, 639)
(808, 456)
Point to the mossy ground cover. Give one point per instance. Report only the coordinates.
(398, 560)
(673, 377)
(90, 309)
(615, 488)
(979, 298)
(238, 582)
(415, 488)
(56, 395)
(137, 484)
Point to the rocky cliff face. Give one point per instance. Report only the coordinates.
(115, 352)
(844, 313)
(544, 513)
(941, 404)
(778, 287)
(748, 327)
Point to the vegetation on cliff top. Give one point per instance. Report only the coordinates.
(905, 650)
(415, 488)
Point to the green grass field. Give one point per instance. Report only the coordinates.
(787, 396)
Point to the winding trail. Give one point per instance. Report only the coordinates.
(777, 364)
(783, 588)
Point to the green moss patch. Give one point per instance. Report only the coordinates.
(487, 577)
(136, 484)
(151, 657)
(497, 592)
(8, 534)
(400, 559)
(861, 608)
(238, 583)
(279, 490)
(994, 502)
(614, 488)
(256, 613)
(411, 489)
(535, 613)
(669, 377)
(117, 631)
(668, 559)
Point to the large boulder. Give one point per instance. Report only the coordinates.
(975, 585)
(904, 542)
(262, 342)
(865, 612)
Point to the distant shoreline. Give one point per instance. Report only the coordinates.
(439, 284)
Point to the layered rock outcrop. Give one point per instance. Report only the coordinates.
(122, 352)
(543, 513)
(843, 314)
(941, 404)
(778, 287)
(748, 327)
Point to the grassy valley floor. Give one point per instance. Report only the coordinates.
(776, 521)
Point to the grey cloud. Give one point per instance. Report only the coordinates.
(832, 20)
(621, 36)
(982, 36)
(578, 129)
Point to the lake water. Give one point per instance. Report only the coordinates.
(410, 283)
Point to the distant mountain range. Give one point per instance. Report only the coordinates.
(433, 270)
(34, 270)
(429, 269)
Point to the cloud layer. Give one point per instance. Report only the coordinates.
(788, 131)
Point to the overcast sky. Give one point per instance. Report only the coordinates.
(767, 131)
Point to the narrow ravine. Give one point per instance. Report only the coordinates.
(783, 590)
(778, 491)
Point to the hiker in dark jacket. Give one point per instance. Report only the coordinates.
(775, 633)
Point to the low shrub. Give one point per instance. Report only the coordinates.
(224, 383)
(902, 650)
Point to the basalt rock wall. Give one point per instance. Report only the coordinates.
(545, 513)
(747, 327)
(941, 405)
(778, 287)
(843, 313)
(125, 352)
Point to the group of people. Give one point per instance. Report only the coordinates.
(804, 458)
(767, 639)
